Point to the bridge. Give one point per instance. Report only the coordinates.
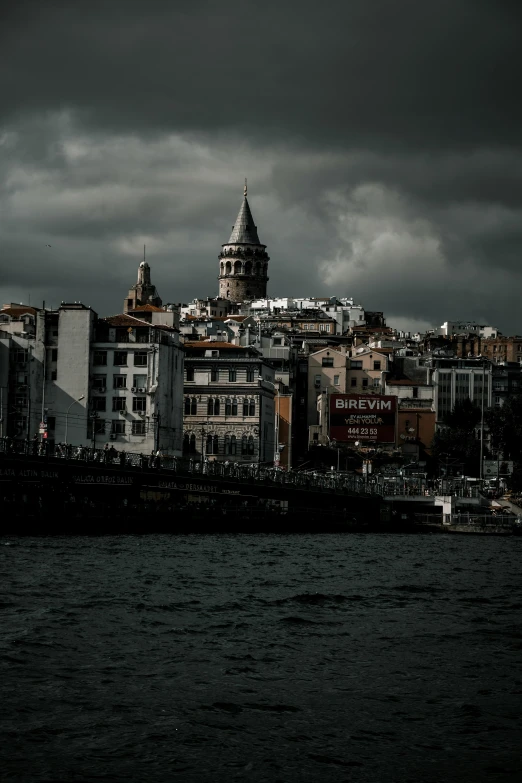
(85, 490)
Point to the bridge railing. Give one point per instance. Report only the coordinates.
(252, 472)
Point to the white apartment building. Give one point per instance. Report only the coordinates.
(90, 381)
(450, 328)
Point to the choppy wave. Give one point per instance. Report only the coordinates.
(267, 658)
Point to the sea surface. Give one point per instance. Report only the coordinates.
(261, 658)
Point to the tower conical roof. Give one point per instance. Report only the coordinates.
(245, 230)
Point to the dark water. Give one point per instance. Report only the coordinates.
(314, 658)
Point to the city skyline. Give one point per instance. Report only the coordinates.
(382, 150)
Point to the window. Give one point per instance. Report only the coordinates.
(119, 404)
(212, 444)
(231, 445)
(100, 358)
(327, 361)
(232, 374)
(415, 392)
(249, 408)
(336, 380)
(138, 428)
(353, 381)
(118, 427)
(54, 375)
(122, 336)
(187, 406)
(142, 335)
(189, 374)
(365, 383)
(119, 381)
(249, 374)
(129, 304)
(376, 365)
(213, 407)
(99, 381)
(139, 381)
(54, 355)
(324, 327)
(376, 383)
(247, 445)
(231, 407)
(99, 404)
(214, 374)
(120, 358)
(356, 364)
(189, 443)
(21, 357)
(140, 359)
(139, 404)
(317, 381)
(278, 341)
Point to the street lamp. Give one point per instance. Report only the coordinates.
(333, 444)
(67, 414)
(276, 422)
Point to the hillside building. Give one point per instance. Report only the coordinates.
(243, 261)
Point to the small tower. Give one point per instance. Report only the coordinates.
(143, 292)
(243, 261)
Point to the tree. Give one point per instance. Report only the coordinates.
(456, 443)
(464, 416)
(505, 427)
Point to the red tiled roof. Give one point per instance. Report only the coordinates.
(124, 320)
(130, 321)
(148, 308)
(16, 312)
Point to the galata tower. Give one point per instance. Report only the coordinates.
(243, 261)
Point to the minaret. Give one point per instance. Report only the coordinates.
(243, 261)
(143, 292)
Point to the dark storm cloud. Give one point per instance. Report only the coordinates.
(432, 74)
(381, 141)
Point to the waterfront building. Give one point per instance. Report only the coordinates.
(228, 411)
(88, 381)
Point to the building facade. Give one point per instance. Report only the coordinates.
(87, 381)
(228, 403)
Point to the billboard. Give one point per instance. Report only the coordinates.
(364, 417)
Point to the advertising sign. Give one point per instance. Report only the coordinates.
(364, 417)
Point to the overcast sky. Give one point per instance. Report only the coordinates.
(381, 141)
